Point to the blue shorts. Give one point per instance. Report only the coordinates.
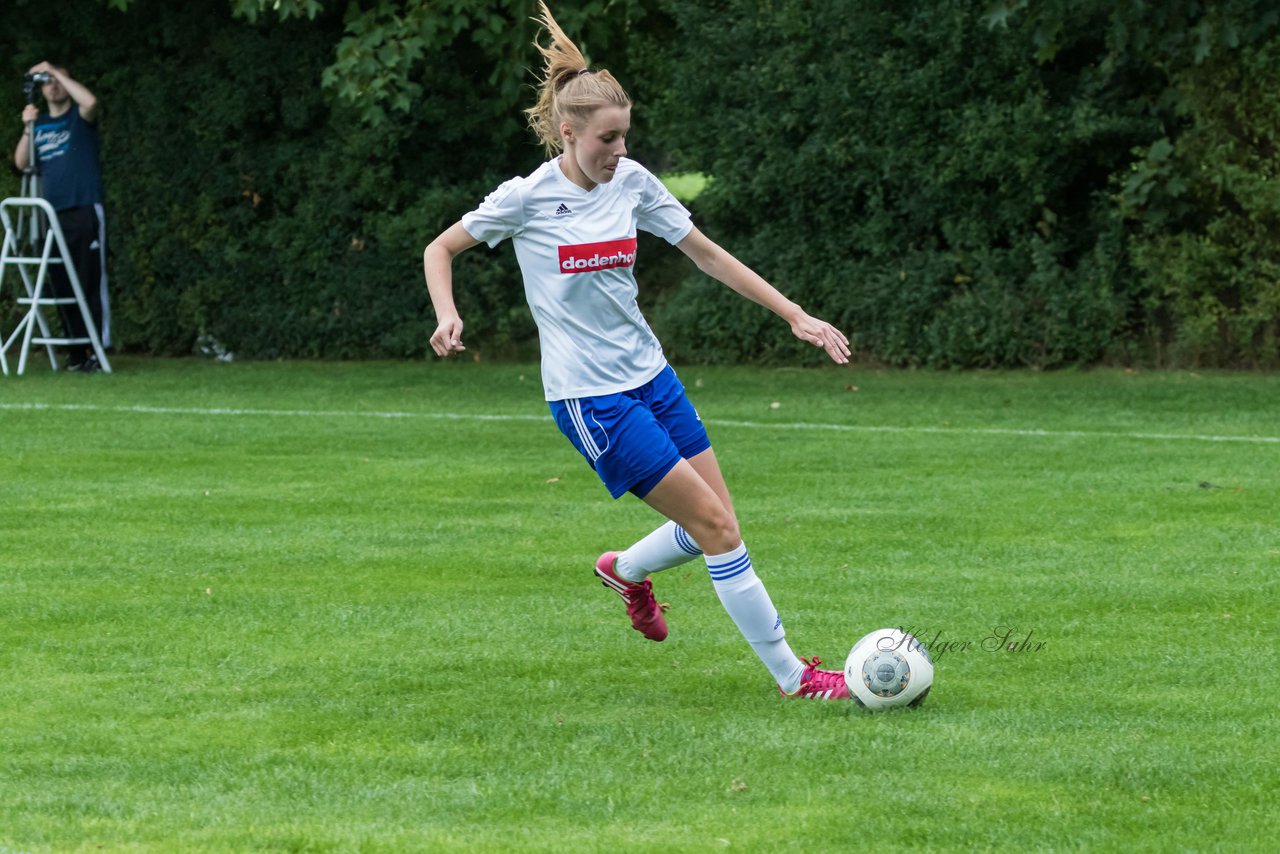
(634, 438)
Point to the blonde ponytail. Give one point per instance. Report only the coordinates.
(568, 90)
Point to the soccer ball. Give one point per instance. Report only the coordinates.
(888, 669)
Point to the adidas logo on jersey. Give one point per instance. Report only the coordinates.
(589, 257)
(563, 209)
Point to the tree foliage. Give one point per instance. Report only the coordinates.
(956, 182)
(1199, 197)
(987, 184)
(913, 175)
(381, 62)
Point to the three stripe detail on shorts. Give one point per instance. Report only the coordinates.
(574, 408)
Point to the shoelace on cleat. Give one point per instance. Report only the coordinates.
(641, 594)
(638, 594)
(819, 680)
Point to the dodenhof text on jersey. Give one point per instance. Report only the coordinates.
(589, 257)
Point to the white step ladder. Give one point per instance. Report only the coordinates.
(11, 256)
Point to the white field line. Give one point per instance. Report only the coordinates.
(750, 425)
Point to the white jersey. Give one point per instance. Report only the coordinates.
(577, 253)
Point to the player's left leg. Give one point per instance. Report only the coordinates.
(670, 545)
(695, 495)
(686, 498)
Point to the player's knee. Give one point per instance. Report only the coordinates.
(720, 532)
(730, 531)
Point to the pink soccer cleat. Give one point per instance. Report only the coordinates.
(642, 608)
(818, 684)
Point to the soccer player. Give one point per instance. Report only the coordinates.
(573, 221)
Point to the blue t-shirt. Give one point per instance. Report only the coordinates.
(67, 148)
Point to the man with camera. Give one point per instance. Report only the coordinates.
(66, 158)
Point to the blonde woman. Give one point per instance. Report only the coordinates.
(573, 222)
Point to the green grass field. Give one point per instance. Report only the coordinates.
(349, 607)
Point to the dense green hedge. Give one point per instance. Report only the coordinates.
(245, 208)
(1208, 209)
(977, 184)
(955, 183)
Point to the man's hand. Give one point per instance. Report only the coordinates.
(30, 113)
(46, 68)
(65, 87)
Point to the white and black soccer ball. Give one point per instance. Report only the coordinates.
(888, 669)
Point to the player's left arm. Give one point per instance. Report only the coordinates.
(720, 265)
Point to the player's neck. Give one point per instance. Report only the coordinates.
(569, 167)
(59, 108)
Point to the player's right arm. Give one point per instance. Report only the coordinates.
(437, 264)
(21, 154)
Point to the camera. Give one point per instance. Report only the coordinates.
(31, 84)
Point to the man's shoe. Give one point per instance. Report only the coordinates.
(818, 684)
(642, 608)
(90, 365)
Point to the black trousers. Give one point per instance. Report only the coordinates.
(85, 232)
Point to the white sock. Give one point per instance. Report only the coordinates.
(743, 595)
(668, 546)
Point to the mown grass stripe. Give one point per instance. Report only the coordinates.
(1029, 432)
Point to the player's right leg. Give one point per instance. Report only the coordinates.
(644, 610)
(666, 547)
(620, 439)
